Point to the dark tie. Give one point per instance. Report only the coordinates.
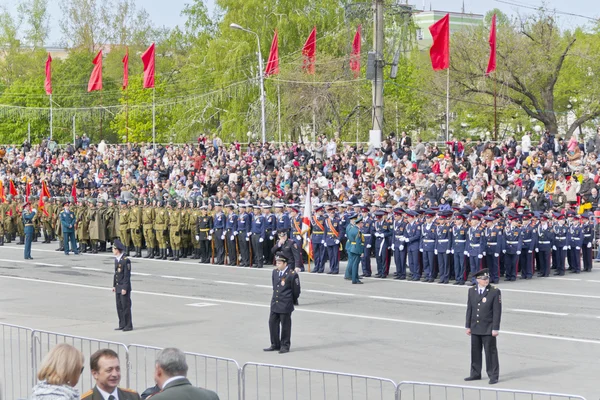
(111, 397)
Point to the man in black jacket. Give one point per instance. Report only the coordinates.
(286, 290)
(484, 311)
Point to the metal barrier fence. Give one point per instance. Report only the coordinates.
(43, 341)
(221, 375)
(435, 391)
(266, 381)
(16, 366)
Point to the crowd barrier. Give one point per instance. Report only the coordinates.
(22, 350)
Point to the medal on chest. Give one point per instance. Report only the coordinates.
(282, 281)
(484, 299)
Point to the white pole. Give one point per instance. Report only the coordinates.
(279, 113)
(153, 118)
(29, 132)
(357, 122)
(73, 130)
(448, 105)
(51, 117)
(262, 92)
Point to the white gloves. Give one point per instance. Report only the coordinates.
(537, 250)
(231, 237)
(235, 232)
(452, 251)
(209, 237)
(247, 239)
(466, 253)
(530, 251)
(577, 248)
(261, 240)
(393, 247)
(401, 247)
(518, 253)
(589, 245)
(211, 231)
(448, 252)
(484, 253)
(337, 241)
(249, 234)
(222, 237)
(322, 242)
(564, 247)
(298, 237)
(503, 251)
(421, 250)
(368, 246)
(553, 247)
(270, 237)
(435, 252)
(197, 237)
(496, 255)
(480, 256)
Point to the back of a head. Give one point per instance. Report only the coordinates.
(172, 362)
(62, 365)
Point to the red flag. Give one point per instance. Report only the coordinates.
(126, 70)
(74, 193)
(48, 81)
(27, 191)
(148, 59)
(45, 191)
(2, 196)
(42, 206)
(440, 50)
(306, 216)
(492, 61)
(273, 62)
(11, 189)
(355, 56)
(309, 51)
(95, 82)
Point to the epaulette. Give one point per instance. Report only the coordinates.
(124, 258)
(128, 390)
(87, 394)
(293, 272)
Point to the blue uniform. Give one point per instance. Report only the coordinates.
(586, 248)
(244, 225)
(459, 242)
(428, 236)
(574, 243)
(317, 238)
(443, 246)
(382, 231)
(412, 234)
(258, 230)
(559, 246)
(493, 248)
(219, 230)
(544, 238)
(283, 222)
(475, 248)
(68, 221)
(29, 231)
(399, 248)
(230, 238)
(367, 230)
(512, 249)
(332, 243)
(526, 257)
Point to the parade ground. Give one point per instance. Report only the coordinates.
(400, 330)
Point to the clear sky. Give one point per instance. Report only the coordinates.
(168, 12)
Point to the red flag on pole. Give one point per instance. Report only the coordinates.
(42, 206)
(27, 191)
(2, 196)
(148, 59)
(440, 50)
(355, 56)
(74, 193)
(272, 67)
(45, 191)
(309, 51)
(95, 82)
(492, 61)
(306, 216)
(48, 81)
(12, 190)
(126, 70)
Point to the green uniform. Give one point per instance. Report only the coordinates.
(148, 216)
(161, 224)
(124, 228)
(175, 222)
(135, 229)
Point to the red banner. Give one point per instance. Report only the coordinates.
(126, 70)
(48, 81)
(148, 58)
(74, 193)
(12, 190)
(45, 191)
(355, 56)
(309, 51)
(272, 67)
(492, 61)
(440, 50)
(95, 82)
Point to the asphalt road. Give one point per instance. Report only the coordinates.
(399, 330)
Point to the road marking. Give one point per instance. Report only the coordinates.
(48, 265)
(88, 268)
(417, 301)
(305, 310)
(140, 274)
(591, 280)
(264, 286)
(184, 278)
(200, 304)
(232, 283)
(566, 279)
(326, 292)
(15, 261)
(540, 312)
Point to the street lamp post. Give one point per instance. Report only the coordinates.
(262, 81)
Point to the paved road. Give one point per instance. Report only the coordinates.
(393, 329)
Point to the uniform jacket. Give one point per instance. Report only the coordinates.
(286, 291)
(544, 238)
(443, 239)
(332, 231)
(475, 241)
(124, 394)
(560, 235)
(68, 220)
(413, 236)
(356, 240)
(428, 235)
(317, 229)
(459, 239)
(259, 225)
(204, 224)
(291, 251)
(484, 311)
(182, 389)
(122, 278)
(494, 240)
(513, 240)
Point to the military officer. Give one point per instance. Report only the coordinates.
(271, 231)
(286, 291)
(57, 225)
(559, 243)
(282, 219)
(399, 244)
(96, 225)
(332, 241)
(122, 286)
(193, 226)
(459, 241)
(575, 242)
(3, 216)
(28, 217)
(135, 227)
(543, 243)
(513, 248)
(289, 249)
(82, 227)
(367, 230)
(317, 239)
(428, 235)
(588, 239)
(526, 257)
(354, 247)
(124, 233)
(475, 247)
(219, 221)
(244, 224)
(204, 225)
(484, 312)
(412, 239)
(161, 225)
(443, 246)
(258, 237)
(112, 221)
(175, 228)
(148, 216)
(68, 221)
(493, 247)
(231, 234)
(46, 220)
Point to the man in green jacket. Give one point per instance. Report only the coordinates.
(170, 375)
(354, 247)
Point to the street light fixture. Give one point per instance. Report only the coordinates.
(261, 78)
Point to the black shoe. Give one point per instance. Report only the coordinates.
(431, 280)
(272, 348)
(283, 351)
(472, 378)
(127, 329)
(377, 275)
(357, 283)
(493, 381)
(348, 279)
(118, 329)
(456, 283)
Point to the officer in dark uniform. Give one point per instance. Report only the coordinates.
(258, 230)
(244, 224)
(219, 234)
(484, 311)
(122, 286)
(286, 291)
(28, 217)
(459, 242)
(289, 249)
(68, 220)
(204, 225)
(231, 233)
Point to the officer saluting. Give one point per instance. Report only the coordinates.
(484, 311)
(122, 286)
(286, 290)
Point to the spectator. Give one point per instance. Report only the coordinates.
(59, 374)
(106, 370)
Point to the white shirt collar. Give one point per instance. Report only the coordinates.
(105, 395)
(118, 258)
(171, 380)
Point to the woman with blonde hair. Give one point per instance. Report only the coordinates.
(59, 374)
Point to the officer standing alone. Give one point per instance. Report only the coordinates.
(122, 286)
(484, 311)
(286, 291)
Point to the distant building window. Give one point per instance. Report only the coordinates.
(419, 34)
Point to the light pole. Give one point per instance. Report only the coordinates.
(262, 81)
